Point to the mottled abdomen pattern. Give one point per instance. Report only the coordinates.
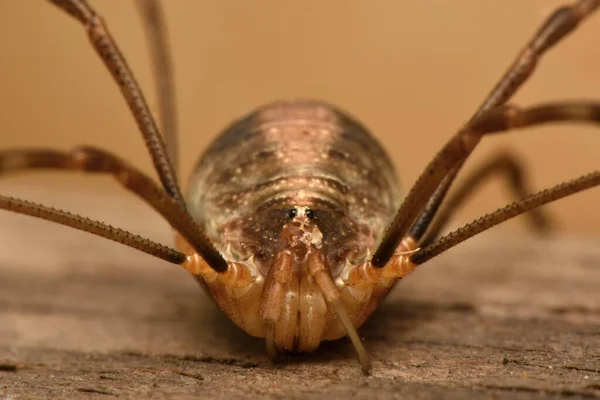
(287, 155)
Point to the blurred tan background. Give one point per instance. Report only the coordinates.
(412, 71)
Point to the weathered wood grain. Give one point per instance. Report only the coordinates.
(503, 315)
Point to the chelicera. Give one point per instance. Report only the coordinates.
(293, 220)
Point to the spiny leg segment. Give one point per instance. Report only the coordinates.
(94, 160)
(510, 211)
(91, 226)
(505, 165)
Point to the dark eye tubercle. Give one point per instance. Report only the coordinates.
(309, 213)
(293, 212)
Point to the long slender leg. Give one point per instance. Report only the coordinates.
(512, 210)
(90, 159)
(429, 212)
(503, 164)
(91, 226)
(156, 32)
(115, 62)
(561, 23)
(456, 151)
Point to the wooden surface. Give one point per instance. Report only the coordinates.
(504, 315)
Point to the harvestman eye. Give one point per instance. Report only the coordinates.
(287, 295)
(309, 213)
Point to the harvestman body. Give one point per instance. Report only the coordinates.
(286, 213)
(293, 182)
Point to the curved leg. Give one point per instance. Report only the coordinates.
(560, 24)
(445, 166)
(94, 160)
(510, 211)
(110, 54)
(505, 165)
(456, 151)
(498, 120)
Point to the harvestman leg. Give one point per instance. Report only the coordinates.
(156, 31)
(442, 170)
(505, 165)
(510, 211)
(93, 160)
(110, 54)
(91, 226)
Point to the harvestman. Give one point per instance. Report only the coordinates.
(283, 223)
